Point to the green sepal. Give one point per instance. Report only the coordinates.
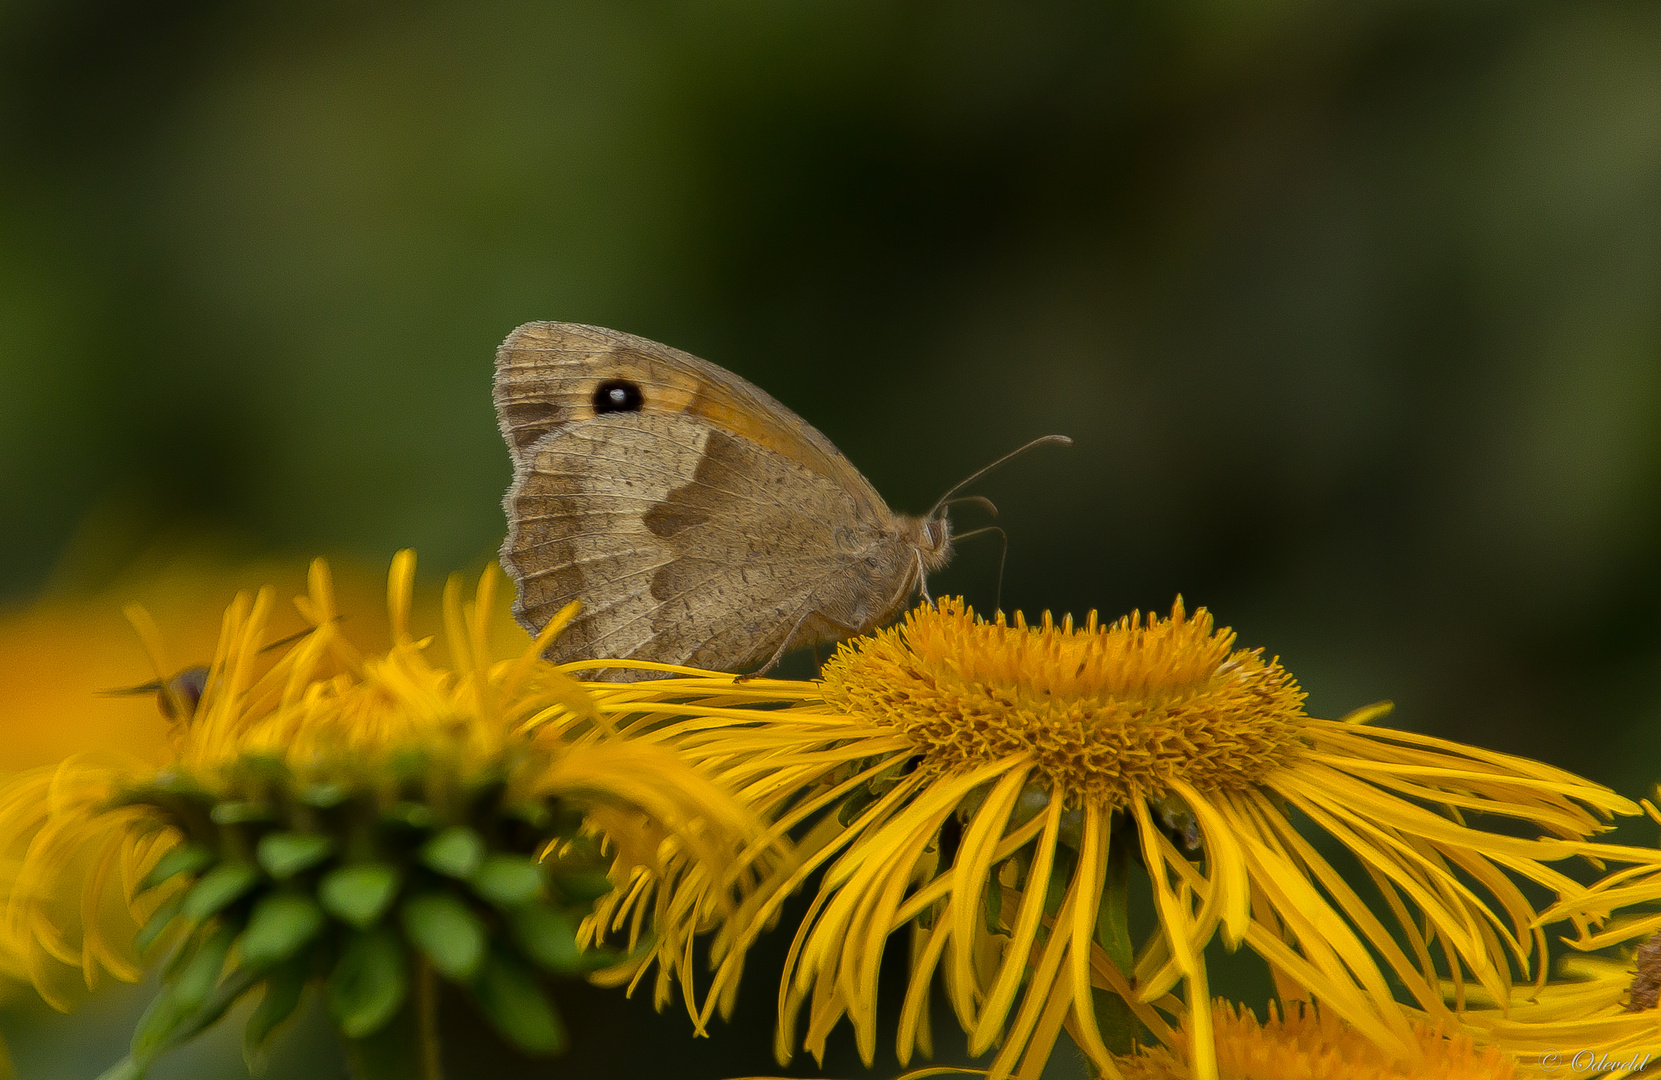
(456, 852)
(218, 889)
(184, 859)
(1113, 912)
(324, 796)
(369, 983)
(125, 1069)
(261, 768)
(993, 904)
(359, 895)
(183, 995)
(549, 937)
(197, 1020)
(1061, 876)
(240, 812)
(283, 987)
(281, 925)
(583, 886)
(1022, 862)
(198, 978)
(413, 815)
(512, 1000)
(854, 804)
(1118, 1025)
(183, 951)
(284, 854)
(158, 924)
(173, 782)
(1119, 1028)
(410, 766)
(534, 814)
(447, 932)
(508, 880)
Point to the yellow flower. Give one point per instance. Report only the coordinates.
(1309, 1044)
(1599, 1016)
(1581, 1023)
(982, 783)
(69, 870)
(318, 735)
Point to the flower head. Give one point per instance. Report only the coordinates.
(1104, 714)
(987, 784)
(331, 809)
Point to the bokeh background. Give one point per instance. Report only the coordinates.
(1354, 310)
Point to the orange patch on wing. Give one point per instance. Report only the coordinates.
(735, 418)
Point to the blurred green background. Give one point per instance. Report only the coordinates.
(1354, 309)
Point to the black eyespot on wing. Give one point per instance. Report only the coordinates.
(617, 395)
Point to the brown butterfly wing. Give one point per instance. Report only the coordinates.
(688, 538)
(547, 372)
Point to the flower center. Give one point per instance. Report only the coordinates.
(1109, 712)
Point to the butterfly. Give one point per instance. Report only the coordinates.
(699, 521)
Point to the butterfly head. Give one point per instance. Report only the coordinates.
(930, 540)
(933, 540)
(931, 534)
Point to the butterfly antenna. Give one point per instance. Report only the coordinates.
(1003, 554)
(982, 500)
(1060, 440)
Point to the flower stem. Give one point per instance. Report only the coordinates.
(407, 1048)
(1118, 1025)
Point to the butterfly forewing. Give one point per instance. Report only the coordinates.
(699, 521)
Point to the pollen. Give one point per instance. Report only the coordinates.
(1109, 713)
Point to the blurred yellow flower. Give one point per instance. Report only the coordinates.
(980, 782)
(323, 719)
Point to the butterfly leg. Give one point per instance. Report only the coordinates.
(923, 582)
(784, 646)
